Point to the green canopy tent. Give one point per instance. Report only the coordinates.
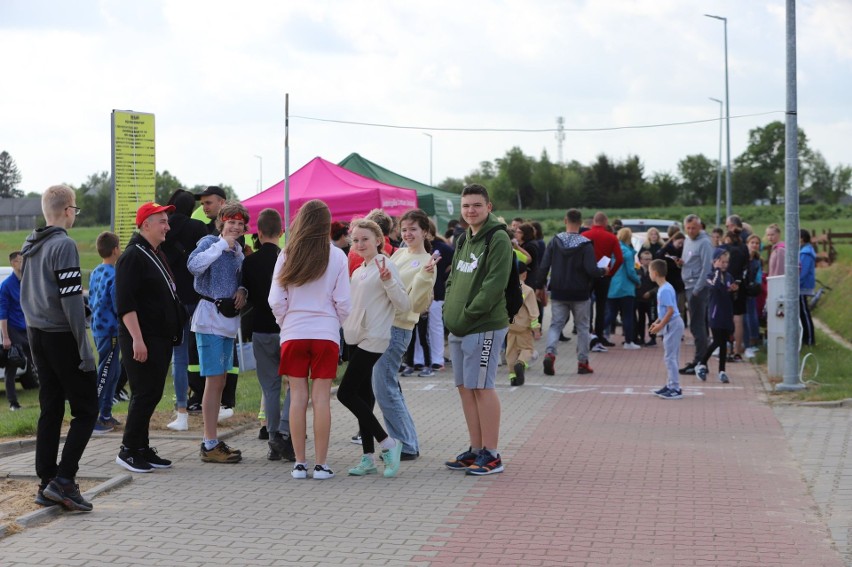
(441, 205)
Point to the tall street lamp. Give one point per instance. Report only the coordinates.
(260, 173)
(727, 116)
(430, 156)
(719, 166)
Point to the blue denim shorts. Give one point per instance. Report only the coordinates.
(215, 354)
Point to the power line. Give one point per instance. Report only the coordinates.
(529, 130)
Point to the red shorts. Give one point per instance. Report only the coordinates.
(317, 358)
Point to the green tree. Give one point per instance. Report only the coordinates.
(10, 177)
(452, 185)
(94, 197)
(763, 163)
(545, 179)
(513, 184)
(166, 184)
(698, 174)
(823, 184)
(664, 189)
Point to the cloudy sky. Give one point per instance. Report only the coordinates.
(215, 75)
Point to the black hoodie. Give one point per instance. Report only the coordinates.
(570, 259)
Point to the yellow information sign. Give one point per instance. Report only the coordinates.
(134, 169)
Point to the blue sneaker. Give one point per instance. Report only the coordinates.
(462, 461)
(391, 458)
(671, 394)
(101, 427)
(485, 464)
(661, 391)
(701, 372)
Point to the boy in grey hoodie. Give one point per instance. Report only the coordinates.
(52, 301)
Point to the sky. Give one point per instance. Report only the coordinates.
(215, 75)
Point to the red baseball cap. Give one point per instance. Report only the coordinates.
(149, 209)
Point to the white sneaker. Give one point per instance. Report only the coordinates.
(299, 471)
(716, 352)
(225, 413)
(750, 352)
(631, 346)
(323, 473)
(598, 347)
(181, 422)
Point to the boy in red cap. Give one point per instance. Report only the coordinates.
(151, 322)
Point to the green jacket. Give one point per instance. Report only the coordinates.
(475, 300)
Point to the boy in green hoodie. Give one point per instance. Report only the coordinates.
(476, 316)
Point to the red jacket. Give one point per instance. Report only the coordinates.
(606, 244)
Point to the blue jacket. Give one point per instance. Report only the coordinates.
(625, 280)
(10, 302)
(720, 309)
(103, 302)
(807, 270)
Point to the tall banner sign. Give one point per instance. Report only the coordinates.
(134, 169)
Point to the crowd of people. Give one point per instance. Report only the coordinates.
(383, 295)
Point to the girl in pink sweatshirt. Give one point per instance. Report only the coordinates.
(310, 301)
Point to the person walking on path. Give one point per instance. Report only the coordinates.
(722, 286)
(476, 315)
(523, 329)
(52, 301)
(152, 321)
(417, 272)
(669, 324)
(377, 292)
(265, 337)
(104, 325)
(217, 264)
(570, 259)
(606, 245)
(310, 298)
(622, 291)
(182, 238)
(807, 282)
(696, 262)
(14, 326)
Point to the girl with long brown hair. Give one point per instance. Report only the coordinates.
(310, 301)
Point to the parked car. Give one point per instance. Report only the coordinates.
(640, 229)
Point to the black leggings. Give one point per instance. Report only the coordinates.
(356, 393)
(421, 329)
(720, 339)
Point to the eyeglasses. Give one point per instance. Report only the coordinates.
(77, 210)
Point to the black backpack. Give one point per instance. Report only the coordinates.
(514, 295)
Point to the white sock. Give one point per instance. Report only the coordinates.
(388, 443)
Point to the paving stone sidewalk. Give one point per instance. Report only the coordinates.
(598, 472)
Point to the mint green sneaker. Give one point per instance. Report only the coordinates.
(365, 467)
(391, 459)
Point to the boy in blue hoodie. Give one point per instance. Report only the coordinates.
(720, 314)
(105, 327)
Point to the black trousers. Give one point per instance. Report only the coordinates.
(356, 393)
(601, 290)
(421, 329)
(808, 335)
(58, 363)
(18, 337)
(197, 381)
(147, 380)
(720, 340)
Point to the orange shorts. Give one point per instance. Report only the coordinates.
(314, 358)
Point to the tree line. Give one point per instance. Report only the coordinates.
(518, 181)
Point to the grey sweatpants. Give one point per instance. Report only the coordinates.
(672, 334)
(267, 354)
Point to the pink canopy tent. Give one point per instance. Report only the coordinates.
(346, 193)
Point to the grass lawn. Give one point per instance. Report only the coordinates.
(826, 372)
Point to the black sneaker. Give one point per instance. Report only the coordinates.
(43, 500)
(409, 456)
(606, 342)
(563, 338)
(462, 461)
(549, 361)
(661, 391)
(356, 439)
(689, 369)
(519, 369)
(132, 461)
(263, 434)
(67, 494)
(150, 455)
(282, 446)
(194, 408)
(14, 406)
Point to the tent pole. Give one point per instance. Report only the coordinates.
(286, 162)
